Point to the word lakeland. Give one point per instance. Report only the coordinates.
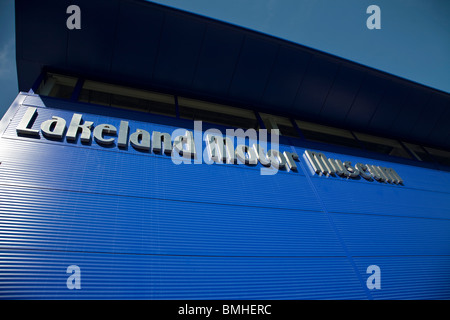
(219, 149)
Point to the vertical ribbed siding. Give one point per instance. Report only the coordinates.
(141, 227)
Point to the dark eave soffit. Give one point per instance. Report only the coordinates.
(149, 45)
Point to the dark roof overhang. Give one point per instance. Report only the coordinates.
(149, 45)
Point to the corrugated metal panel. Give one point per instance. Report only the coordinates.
(140, 226)
(42, 275)
(46, 219)
(89, 170)
(378, 235)
(86, 168)
(343, 196)
(415, 178)
(410, 277)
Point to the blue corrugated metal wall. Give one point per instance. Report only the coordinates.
(139, 226)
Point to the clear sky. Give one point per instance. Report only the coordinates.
(413, 42)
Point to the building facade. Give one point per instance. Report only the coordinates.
(118, 181)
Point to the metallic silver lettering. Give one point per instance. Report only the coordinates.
(246, 155)
(103, 129)
(363, 171)
(319, 162)
(220, 149)
(338, 167)
(321, 165)
(227, 150)
(291, 157)
(391, 175)
(277, 159)
(26, 123)
(396, 176)
(122, 141)
(352, 172)
(384, 176)
(75, 126)
(261, 155)
(140, 140)
(240, 136)
(212, 147)
(159, 138)
(375, 172)
(387, 177)
(54, 128)
(185, 146)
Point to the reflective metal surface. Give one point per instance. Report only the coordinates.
(277, 159)
(122, 141)
(327, 166)
(262, 157)
(26, 123)
(54, 128)
(163, 139)
(246, 155)
(352, 172)
(319, 162)
(75, 126)
(363, 171)
(291, 158)
(185, 145)
(104, 129)
(140, 139)
(221, 149)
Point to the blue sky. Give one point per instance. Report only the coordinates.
(413, 42)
